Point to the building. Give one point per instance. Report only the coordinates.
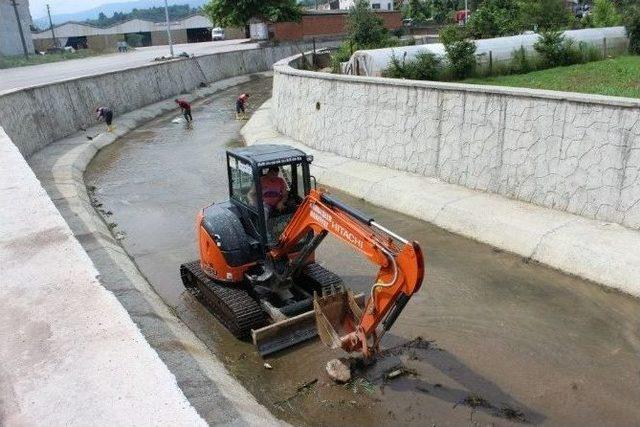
(10, 41)
(324, 24)
(347, 4)
(136, 32)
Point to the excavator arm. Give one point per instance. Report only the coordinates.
(340, 321)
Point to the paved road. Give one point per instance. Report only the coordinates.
(14, 78)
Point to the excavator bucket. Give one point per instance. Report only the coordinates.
(297, 329)
(337, 315)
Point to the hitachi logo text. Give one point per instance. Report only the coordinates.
(347, 235)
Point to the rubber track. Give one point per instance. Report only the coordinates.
(232, 305)
(329, 282)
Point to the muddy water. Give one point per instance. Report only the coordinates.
(504, 341)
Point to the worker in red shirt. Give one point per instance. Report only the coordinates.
(186, 109)
(241, 106)
(274, 191)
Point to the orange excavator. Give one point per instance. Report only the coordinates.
(257, 271)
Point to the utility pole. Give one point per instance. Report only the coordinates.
(24, 43)
(53, 34)
(166, 14)
(466, 12)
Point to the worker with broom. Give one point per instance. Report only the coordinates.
(241, 106)
(186, 110)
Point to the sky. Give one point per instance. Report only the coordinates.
(38, 8)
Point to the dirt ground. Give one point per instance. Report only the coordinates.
(491, 339)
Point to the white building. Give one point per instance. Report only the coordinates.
(347, 4)
(193, 29)
(10, 42)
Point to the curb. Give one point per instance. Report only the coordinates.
(60, 167)
(598, 251)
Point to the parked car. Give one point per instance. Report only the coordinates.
(217, 34)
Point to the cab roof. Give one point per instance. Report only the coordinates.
(269, 154)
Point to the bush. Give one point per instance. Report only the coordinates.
(589, 52)
(452, 33)
(520, 63)
(425, 66)
(462, 59)
(632, 22)
(461, 56)
(605, 14)
(554, 49)
(341, 55)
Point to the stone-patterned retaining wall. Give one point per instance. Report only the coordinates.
(573, 152)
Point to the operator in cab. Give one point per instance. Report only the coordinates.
(274, 191)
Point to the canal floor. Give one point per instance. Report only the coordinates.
(491, 339)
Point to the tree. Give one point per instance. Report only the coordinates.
(495, 18)
(442, 9)
(632, 22)
(365, 28)
(238, 13)
(544, 14)
(605, 14)
(418, 10)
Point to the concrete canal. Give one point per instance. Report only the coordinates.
(490, 338)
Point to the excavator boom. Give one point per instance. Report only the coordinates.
(340, 321)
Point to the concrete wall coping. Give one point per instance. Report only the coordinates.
(598, 251)
(284, 67)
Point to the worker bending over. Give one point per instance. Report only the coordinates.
(104, 114)
(241, 106)
(186, 110)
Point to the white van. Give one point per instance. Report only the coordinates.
(217, 34)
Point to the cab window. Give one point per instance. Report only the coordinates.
(241, 181)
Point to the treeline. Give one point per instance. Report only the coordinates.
(155, 14)
(491, 18)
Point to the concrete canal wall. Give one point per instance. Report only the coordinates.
(566, 151)
(35, 116)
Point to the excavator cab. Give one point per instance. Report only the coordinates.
(251, 169)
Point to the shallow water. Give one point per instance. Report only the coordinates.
(509, 341)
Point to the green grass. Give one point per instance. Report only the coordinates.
(615, 77)
(20, 61)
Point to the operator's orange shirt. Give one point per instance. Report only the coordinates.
(273, 189)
